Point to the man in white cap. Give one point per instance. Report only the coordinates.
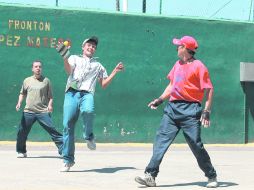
(189, 80)
(84, 71)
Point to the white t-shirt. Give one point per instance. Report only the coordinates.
(85, 73)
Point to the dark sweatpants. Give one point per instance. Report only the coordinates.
(180, 115)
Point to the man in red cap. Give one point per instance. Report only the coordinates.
(189, 80)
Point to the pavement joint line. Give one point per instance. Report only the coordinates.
(30, 143)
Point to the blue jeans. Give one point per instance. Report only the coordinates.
(180, 115)
(44, 119)
(75, 103)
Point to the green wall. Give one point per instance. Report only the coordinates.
(143, 43)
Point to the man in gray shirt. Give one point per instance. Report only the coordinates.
(83, 73)
(39, 104)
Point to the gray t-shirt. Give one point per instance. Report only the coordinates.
(85, 73)
(37, 92)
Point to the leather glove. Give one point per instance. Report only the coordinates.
(63, 50)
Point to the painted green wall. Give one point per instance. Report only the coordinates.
(143, 43)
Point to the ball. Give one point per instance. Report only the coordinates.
(66, 43)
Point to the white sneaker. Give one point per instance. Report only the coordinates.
(91, 144)
(66, 167)
(21, 155)
(212, 183)
(148, 180)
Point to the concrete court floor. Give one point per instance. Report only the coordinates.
(114, 167)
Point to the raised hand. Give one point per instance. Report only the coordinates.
(63, 49)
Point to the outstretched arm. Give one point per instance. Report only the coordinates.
(209, 98)
(50, 105)
(105, 82)
(63, 50)
(165, 95)
(20, 100)
(205, 117)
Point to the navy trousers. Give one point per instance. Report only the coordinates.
(180, 115)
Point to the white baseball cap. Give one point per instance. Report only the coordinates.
(92, 39)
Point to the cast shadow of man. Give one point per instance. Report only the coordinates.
(201, 184)
(57, 157)
(106, 170)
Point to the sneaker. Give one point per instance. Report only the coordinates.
(91, 144)
(212, 183)
(148, 180)
(66, 167)
(21, 155)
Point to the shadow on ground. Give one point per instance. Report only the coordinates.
(201, 184)
(106, 170)
(58, 157)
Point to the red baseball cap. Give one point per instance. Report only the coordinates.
(186, 41)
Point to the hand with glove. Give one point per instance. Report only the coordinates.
(63, 49)
(205, 118)
(155, 103)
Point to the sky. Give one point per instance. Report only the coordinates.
(241, 10)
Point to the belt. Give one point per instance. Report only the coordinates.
(75, 90)
(184, 101)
